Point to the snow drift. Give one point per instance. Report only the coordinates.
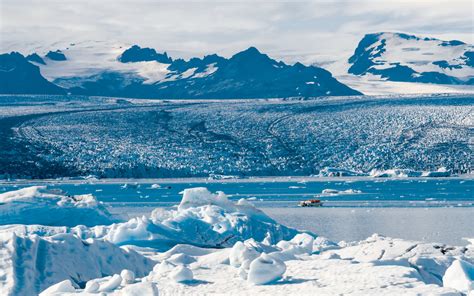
(40, 205)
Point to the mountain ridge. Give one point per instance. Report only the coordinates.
(145, 73)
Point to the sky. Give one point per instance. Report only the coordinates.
(317, 31)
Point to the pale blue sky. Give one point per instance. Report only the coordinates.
(299, 30)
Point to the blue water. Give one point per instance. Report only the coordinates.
(432, 210)
(417, 192)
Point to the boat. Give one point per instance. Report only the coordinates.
(310, 203)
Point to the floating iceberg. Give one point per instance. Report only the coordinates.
(404, 173)
(40, 205)
(336, 172)
(201, 219)
(339, 192)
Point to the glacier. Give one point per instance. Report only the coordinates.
(53, 137)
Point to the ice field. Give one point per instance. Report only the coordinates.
(58, 136)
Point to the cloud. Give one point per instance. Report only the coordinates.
(298, 30)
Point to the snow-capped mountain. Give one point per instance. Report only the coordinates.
(98, 68)
(403, 57)
(18, 76)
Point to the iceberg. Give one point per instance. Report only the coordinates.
(30, 264)
(405, 173)
(202, 219)
(40, 205)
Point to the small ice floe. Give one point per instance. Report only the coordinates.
(130, 186)
(405, 173)
(155, 186)
(337, 172)
(296, 187)
(394, 173)
(222, 177)
(340, 192)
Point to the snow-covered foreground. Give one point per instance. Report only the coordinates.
(211, 245)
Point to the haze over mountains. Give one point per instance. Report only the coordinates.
(108, 69)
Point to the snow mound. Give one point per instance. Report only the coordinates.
(40, 205)
(31, 263)
(265, 269)
(202, 219)
(181, 274)
(460, 276)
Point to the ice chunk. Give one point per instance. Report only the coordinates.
(336, 172)
(338, 192)
(217, 221)
(140, 289)
(201, 196)
(40, 205)
(111, 284)
(394, 173)
(181, 274)
(59, 289)
(460, 276)
(240, 253)
(25, 259)
(265, 269)
(301, 244)
(128, 276)
(92, 286)
(163, 268)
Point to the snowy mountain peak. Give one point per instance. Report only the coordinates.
(404, 57)
(111, 69)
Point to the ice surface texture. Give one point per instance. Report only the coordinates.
(120, 138)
